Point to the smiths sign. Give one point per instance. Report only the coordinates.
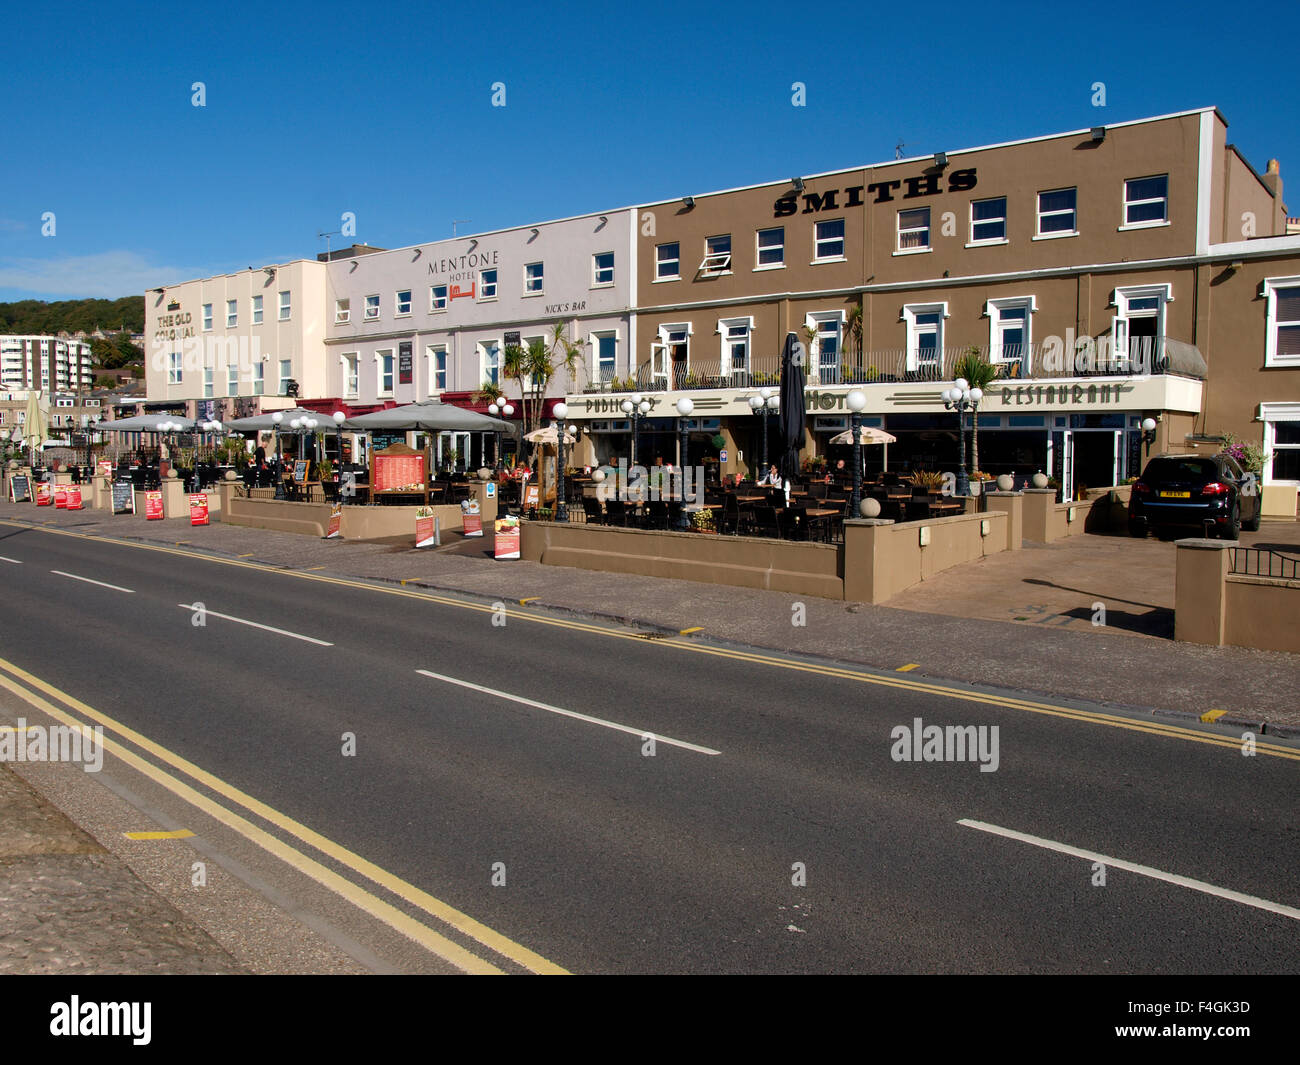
(927, 184)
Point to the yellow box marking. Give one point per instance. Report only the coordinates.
(180, 833)
(1212, 715)
(687, 632)
(530, 599)
(907, 668)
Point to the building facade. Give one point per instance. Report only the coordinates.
(1110, 274)
(238, 343)
(46, 363)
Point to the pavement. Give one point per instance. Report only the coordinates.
(1018, 621)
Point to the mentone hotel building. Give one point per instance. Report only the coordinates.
(1140, 269)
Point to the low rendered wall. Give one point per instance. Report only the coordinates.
(1216, 607)
(312, 519)
(883, 558)
(746, 562)
(1046, 520)
(1278, 501)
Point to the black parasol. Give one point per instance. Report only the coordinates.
(794, 357)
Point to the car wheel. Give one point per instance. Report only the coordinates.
(1232, 531)
(1253, 524)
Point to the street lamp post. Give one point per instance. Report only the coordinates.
(339, 418)
(500, 407)
(856, 401)
(276, 419)
(559, 412)
(961, 398)
(685, 406)
(637, 407)
(764, 403)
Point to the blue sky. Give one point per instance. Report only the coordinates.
(316, 109)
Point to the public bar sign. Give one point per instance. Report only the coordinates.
(153, 507)
(198, 509)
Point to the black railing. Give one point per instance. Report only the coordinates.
(1261, 562)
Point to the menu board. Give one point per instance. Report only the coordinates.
(396, 468)
(20, 488)
(123, 497)
(300, 470)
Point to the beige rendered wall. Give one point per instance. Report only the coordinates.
(1261, 612)
(882, 558)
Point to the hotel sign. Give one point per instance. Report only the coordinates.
(926, 184)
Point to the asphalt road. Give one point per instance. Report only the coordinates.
(765, 771)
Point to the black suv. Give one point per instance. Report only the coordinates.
(1208, 493)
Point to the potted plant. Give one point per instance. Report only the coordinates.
(926, 482)
(703, 521)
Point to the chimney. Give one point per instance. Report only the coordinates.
(1273, 178)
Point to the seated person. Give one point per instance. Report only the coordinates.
(771, 478)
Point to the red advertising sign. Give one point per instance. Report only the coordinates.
(73, 497)
(425, 532)
(532, 496)
(335, 527)
(44, 497)
(198, 509)
(507, 538)
(153, 506)
(61, 497)
(104, 468)
(473, 524)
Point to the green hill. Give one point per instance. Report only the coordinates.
(72, 316)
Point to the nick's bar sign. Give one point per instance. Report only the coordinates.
(926, 184)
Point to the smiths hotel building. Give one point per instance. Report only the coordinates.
(1112, 274)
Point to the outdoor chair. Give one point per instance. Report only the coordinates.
(768, 522)
(616, 513)
(729, 516)
(592, 512)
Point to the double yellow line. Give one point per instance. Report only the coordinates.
(892, 680)
(39, 694)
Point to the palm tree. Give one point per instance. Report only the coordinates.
(538, 369)
(567, 353)
(853, 336)
(979, 373)
(512, 369)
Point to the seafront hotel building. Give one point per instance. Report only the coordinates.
(1139, 269)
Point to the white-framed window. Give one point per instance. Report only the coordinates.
(769, 248)
(207, 317)
(988, 221)
(286, 305)
(232, 313)
(602, 269)
(402, 303)
(736, 334)
(209, 374)
(259, 378)
(670, 358)
(534, 279)
(384, 367)
(342, 311)
(717, 256)
(1281, 442)
(925, 338)
(828, 340)
(437, 298)
(1282, 341)
(371, 312)
(1058, 214)
(351, 377)
(257, 310)
(174, 372)
(232, 379)
(1146, 202)
(437, 368)
(913, 230)
(1138, 327)
(489, 360)
(828, 240)
(286, 375)
(668, 262)
(487, 284)
(604, 356)
(1010, 320)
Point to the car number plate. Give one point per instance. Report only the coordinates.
(1175, 495)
